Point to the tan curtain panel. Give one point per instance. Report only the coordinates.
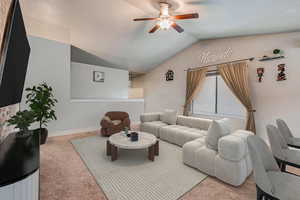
(235, 76)
(194, 83)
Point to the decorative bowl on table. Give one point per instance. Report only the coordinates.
(134, 136)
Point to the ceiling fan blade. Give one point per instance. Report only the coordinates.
(155, 28)
(177, 28)
(144, 19)
(186, 16)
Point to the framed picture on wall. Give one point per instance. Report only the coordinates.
(98, 76)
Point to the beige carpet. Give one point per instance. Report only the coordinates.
(133, 176)
(64, 176)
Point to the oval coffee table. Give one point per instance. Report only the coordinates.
(120, 140)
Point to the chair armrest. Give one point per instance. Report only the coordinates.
(150, 117)
(106, 124)
(126, 122)
(234, 147)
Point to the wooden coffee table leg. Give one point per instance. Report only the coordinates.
(114, 152)
(108, 148)
(156, 148)
(151, 153)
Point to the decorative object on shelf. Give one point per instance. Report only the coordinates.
(98, 76)
(22, 120)
(281, 75)
(170, 75)
(42, 102)
(260, 73)
(277, 51)
(134, 136)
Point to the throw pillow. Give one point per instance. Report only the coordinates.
(226, 124)
(169, 117)
(116, 122)
(107, 118)
(215, 132)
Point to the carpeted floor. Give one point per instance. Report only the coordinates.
(64, 176)
(132, 176)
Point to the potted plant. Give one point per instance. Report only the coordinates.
(42, 102)
(22, 120)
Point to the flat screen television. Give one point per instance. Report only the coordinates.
(15, 51)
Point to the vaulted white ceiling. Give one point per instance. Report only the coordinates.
(105, 28)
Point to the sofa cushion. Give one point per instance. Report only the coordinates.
(153, 127)
(215, 132)
(205, 160)
(194, 122)
(189, 151)
(234, 147)
(180, 134)
(150, 117)
(169, 117)
(234, 173)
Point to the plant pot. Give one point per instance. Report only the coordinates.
(24, 141)
(23, 135)
(43, 134)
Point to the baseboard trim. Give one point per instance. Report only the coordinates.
(73, 131)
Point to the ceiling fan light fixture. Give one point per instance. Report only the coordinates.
(164, 9)
(165, 21)
(165, 24)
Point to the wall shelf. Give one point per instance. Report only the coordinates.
(271, 58)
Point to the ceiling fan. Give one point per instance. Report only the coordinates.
(166, 21)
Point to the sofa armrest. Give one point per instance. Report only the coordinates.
(149, 117)
(234, 147)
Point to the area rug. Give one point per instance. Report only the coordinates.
(133, 176)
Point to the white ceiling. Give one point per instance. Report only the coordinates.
(105, 27)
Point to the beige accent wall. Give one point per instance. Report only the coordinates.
(271, 99)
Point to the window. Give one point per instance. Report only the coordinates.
(216, 99)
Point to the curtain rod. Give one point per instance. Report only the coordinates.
(196, 68)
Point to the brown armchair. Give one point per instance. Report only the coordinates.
(107, 123)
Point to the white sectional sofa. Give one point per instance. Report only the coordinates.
(228, 159)
(186, 128)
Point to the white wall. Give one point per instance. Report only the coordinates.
(271, 99)
(115, 85)
(50, 62)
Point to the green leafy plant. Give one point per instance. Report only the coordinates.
(22, 120)
(42, 102)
